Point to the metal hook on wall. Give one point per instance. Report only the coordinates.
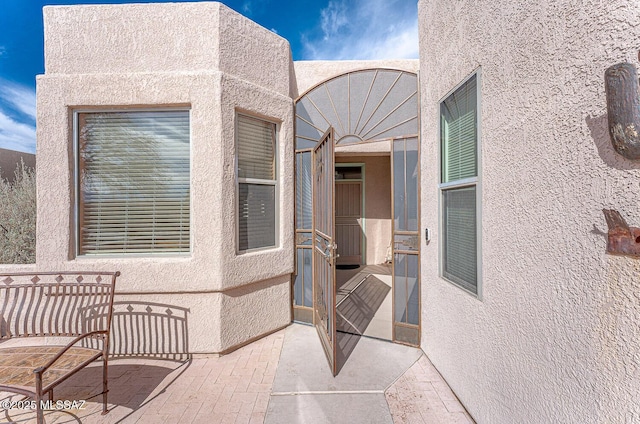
(623, 109)
(622, 239)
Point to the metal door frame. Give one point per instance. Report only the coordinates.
(409, 246)
(305, 141)
(324, 248)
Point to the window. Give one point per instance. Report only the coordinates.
(256, 147)
(459, 185)
(132, 180)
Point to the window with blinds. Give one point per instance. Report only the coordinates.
(459, 179)
(133, 182)
(256, 147)
(459, 133)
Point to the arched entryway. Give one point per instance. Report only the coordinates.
(362, 213)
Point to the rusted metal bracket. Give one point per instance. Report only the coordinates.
(623, 109)
(622, 239)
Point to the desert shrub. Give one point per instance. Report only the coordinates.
(18, 218)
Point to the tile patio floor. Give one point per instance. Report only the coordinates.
(238, 388)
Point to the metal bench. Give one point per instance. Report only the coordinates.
(74, 305)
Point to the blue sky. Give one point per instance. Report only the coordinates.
(316, 30)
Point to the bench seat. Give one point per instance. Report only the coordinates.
(76, 305)
(17, 364)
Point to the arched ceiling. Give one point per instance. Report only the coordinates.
(367, 105)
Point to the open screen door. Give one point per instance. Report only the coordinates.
(324, 246)
(406, 241)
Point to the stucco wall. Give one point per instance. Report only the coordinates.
(131, 38)
(555, 337)
(307, 74)
(164, 37)
(377, 208)
(213, 274)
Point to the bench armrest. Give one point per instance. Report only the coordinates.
(40, 370)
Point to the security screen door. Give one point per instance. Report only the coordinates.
(324, 246)
(354, 109)
(406, 241)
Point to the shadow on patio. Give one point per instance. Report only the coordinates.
(133, 383)
(283, 377)
(359, 295)
(148, 351)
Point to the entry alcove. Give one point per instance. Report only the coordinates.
(374, 117)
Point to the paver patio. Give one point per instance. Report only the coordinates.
(239, 388)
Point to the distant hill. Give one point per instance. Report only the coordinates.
(10, 160)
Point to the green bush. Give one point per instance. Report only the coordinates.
(18, 218)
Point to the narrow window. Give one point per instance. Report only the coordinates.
(256, 147)
(459, 181)
(133, 182)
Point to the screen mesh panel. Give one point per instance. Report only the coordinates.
(363, 105)
(303, 190)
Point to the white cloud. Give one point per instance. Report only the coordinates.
(16, 135)
(333, 18)
(2, 50)
(365, 29)
(17, 117)
(254, 8)
(19, 97)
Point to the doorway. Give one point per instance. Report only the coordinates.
(353, 119)
(364, 278)
(349, 183)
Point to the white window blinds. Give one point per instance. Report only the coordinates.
(460, 247)
(459, 139)
(256, 145)
(133, 182)
(458, 111)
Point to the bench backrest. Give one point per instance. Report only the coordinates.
(55, 304)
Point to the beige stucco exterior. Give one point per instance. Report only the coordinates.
(192, 55)
(107, 62)
(555, 335)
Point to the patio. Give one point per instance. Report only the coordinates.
(280, 378)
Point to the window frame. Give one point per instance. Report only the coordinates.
(76, 111)
(257, 181)
(460, 184)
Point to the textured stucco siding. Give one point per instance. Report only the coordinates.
(555, 336)
(253, 53)
(163, 37)
(240, 96)
(131, 38)
(208, 280)
(308, 74)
